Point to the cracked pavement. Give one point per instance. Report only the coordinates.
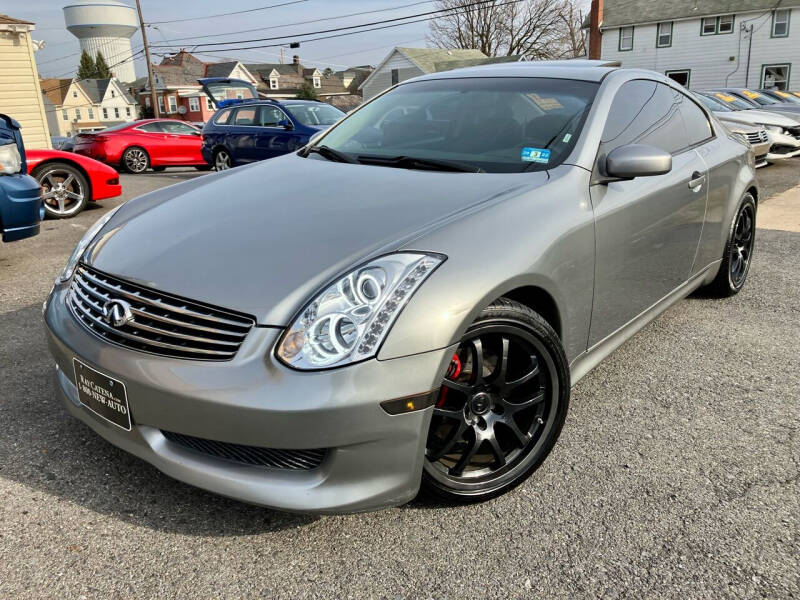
(677, 475)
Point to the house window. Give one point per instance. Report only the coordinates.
(78, 114)
(74, 94)
(317, 82)
(91, 114)
(65, 115)
(775, 77)
(173, 104)
(209, 105)
(147, 101)
(780, 23)
(681, 76)
(715, 25)
(194, 104)
(113, 94)
(273, 83)
(127, 111)
(625, 38)
(105, 113)
(664, 37)
(395, 76)
(725, 24)
(161, 104)
(116, 113)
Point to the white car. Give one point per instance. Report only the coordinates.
(783, 130)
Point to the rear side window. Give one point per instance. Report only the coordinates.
(246, 116)
(223, 117)
(152, 128)
(646, 112)
(697, 126)
(271, 116)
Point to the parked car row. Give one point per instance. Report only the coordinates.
(769, 119)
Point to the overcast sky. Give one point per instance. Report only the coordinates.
(59, 59)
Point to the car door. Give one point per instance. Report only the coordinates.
(243, 133)
(152, 137)
(274, 134)
(184, 142)
(647, 229)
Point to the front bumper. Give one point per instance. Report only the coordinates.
(374, 460)
(21, 207)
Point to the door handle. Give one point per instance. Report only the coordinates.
(697, 180)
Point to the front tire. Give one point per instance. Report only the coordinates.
(135, 160)
(738, 254)
(65, 190)
(501, 406)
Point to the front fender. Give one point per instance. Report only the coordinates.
(540, 238)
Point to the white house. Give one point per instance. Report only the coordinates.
(75, 106)
(703, 43)
(405, 63)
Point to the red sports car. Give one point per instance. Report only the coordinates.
(69, 181)
(149, 143)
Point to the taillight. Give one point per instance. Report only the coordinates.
(202, 138)
(100, 138)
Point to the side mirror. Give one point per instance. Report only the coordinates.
(637, 160)
(287, 125)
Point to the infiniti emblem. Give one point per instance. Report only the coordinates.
(117, 313)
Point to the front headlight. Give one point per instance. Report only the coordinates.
(348, 321)
(87, 238)
(10, 160)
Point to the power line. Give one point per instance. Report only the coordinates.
(336, 29)
(337, 35)
(71, 81)
(238, 12)
(368, 12)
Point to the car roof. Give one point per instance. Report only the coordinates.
(548, 69)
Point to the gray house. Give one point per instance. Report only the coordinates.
(703, 43)
(405, 63)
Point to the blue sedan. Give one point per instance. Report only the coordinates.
(246, 129)
(21, 206)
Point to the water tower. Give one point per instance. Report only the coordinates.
(105, 26)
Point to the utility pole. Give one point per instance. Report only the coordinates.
(149, 66)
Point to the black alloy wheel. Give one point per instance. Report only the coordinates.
(135, 160)
(501, 406)
(738, 254)
(65, 190)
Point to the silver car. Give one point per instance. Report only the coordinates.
(407, 300)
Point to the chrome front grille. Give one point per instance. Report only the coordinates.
(758, 137)
(158, 323)
(297, 460)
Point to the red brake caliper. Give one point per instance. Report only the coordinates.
(453, 371)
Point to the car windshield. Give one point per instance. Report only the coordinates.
(787, 97)
(732, 102)
(712, 104)
(761, 99)
(497, 125)
(117, 127)
(315, 114)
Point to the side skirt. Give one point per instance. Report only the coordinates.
(597, 353)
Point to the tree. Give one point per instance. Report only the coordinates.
(87, 67)
(537, 29)
(328, 72)
(101, 71)
(307, 92)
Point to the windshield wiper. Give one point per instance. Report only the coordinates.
(426, 164)
(330, 154)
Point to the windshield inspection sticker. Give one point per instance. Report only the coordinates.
(538, 155)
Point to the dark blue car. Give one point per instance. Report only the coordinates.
(21, 206)
(246, 129)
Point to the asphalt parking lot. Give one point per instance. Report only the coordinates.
(677, 474)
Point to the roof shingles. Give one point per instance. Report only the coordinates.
(617, 13)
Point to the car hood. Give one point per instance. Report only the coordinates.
(262, 239)
(758, 116)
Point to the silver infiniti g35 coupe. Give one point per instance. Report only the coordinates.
(406, 301)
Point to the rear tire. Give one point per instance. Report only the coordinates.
(65, 190)
(222, 160)
(135, 160)
(493, 425)
(738, 254)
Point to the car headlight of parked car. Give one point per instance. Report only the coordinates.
(87, 238)
(10, 160)
(348, 320)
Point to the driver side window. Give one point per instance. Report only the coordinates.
(646, 112)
